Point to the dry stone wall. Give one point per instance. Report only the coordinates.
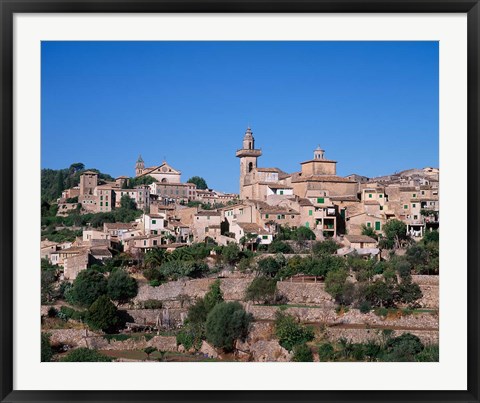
(305, 293)
(365, 335)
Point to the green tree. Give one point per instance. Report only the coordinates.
(227, 322)
(83, 354)
(75, 167)
(268, 267)
(304, 234)
(231, 253)
(127, 203)
(102, 315)
(290, 333)
(121, 287)
(395, 231)
(199, 181)
(335, 281)
(261, 289)
(214, 296)
(328, 247)
(369, 231)
(46, 348)
(87, 287)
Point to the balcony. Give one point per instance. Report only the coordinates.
(245, 152)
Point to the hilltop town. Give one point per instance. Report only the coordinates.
(147, 267)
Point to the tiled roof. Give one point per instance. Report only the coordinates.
(321, 178)
(117, 225)
(316, 160)
(359, 238)
(252, 228)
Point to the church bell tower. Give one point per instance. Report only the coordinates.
(248, 160)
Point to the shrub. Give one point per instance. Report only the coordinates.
(326, 352)
(154, 283)
(52, 312)
(279, 247)
(46, 348)
(176, 269)
(261, 289)
(403, 348)
(83, 354)
(290, 333)
(302, 353)
(102, 315)
(152, 304)
(428, 354)
(365, 307)
(226, 322)
(87, 287)
(153, 274)
(186, 339)
(121, 287)
(70, 313)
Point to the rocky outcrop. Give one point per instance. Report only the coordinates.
(268, 351)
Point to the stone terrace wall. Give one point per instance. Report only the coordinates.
(430, 296)
(365, 335)
(174, 317)
(305, 293)
(352, 317)
(425, 280)
(162, 343)
(232, 288)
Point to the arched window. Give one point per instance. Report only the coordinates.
(164, 180)
(250, 167)
(250, 145)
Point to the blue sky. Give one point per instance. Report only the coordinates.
(373, 106)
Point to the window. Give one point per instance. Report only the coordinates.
(264, 236)
(414, 195)
(101, 197)
(405, 206)
(154, 221)
(320, 200)
(369, 195)
(369, 224)
(154, 242)
(101, 203)
(293, 216)
(278, 216)
(414, 205)
(377, 225)
(310, 212)
(415, 217)
(281, 192)
(266, 215)
(144, 243)
(381, 207)
(307, 224)
(380, 196)
(423, 192)
(106, 204)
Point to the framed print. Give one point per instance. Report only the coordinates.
(239, 201)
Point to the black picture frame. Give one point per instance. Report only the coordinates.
(10, 7)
